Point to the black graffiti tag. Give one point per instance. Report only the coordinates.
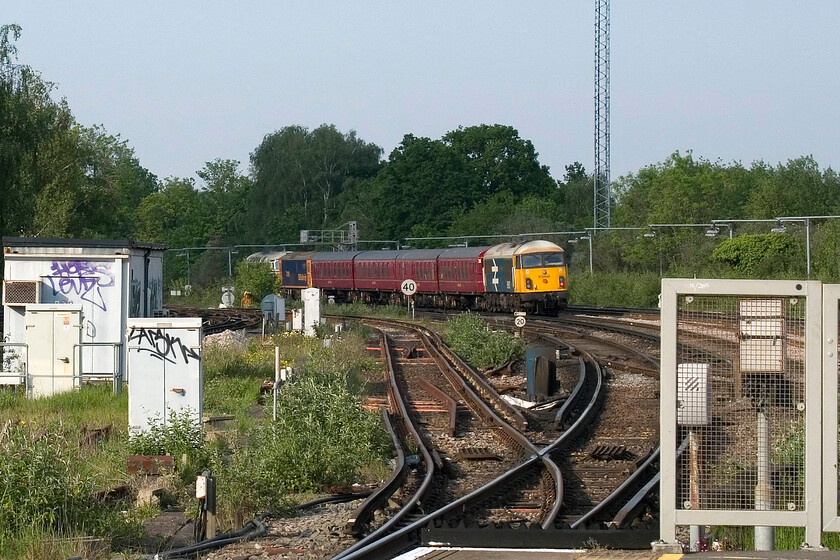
(161, 345)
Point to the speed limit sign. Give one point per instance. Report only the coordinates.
(408, 287)
(519, 321)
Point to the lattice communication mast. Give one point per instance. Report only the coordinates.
(602, 114)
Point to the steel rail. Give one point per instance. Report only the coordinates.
(365, 512)
(402, 537)
(450, 403)
(633, 504)
(480, 385)
(634, 478)
(400, 404)
(517, 436)
(619, 491)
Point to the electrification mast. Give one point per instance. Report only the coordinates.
(602, 115)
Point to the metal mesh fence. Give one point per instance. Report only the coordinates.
(741, 403)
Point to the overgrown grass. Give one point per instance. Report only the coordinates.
(473, 340)
(360, 309)
(233, 375)
(786, 538)
(92, 406)
(322, 438)
(48, 473)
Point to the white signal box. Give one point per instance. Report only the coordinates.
(762, 336)
(694, 395)
(311, 310)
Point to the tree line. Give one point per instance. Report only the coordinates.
(60, 178)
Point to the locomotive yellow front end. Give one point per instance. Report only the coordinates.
(540, 276)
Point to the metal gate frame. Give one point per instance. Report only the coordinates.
(810, 517)
(831, 304)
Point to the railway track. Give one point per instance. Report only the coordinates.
(487, 448)
(518, 497)
(214, 321)
(474, 470)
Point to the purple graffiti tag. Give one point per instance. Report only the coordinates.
(161, 345)
(82, 278)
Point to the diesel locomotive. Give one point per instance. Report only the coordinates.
(526, 276)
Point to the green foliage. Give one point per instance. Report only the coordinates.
(681, 190)
(233, 375)
(47, 478)
(176, 215)
(488, 168)
(58, 178)
(471, 339)
(181, 436)
(299, 175)
(359, 309)
(620, 289)
(574, 198)
(761, 254)
(227, 192)
(257, 278)
(797, 188)
(496, 159)
(322, 435)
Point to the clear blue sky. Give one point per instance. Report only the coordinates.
(187, 82)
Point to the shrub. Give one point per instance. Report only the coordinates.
(620, 289)
(257, 278)
(761, 255)
(470, 337)
(322, 436)
(181, 436)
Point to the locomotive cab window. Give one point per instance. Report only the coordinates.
(537, 260)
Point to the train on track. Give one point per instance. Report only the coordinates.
(526, 276)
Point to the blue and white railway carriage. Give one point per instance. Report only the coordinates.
(90, 288)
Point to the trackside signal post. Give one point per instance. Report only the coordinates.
(409, 288)
(519, 322)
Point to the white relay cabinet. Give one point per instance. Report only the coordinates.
(164, 365)
(54, 333)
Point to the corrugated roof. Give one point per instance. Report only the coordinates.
(80, 243)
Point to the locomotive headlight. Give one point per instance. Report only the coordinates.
(562, 281)
(529, 285)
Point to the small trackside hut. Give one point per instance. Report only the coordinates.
(66, 303)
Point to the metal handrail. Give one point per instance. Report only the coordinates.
(116, 376)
